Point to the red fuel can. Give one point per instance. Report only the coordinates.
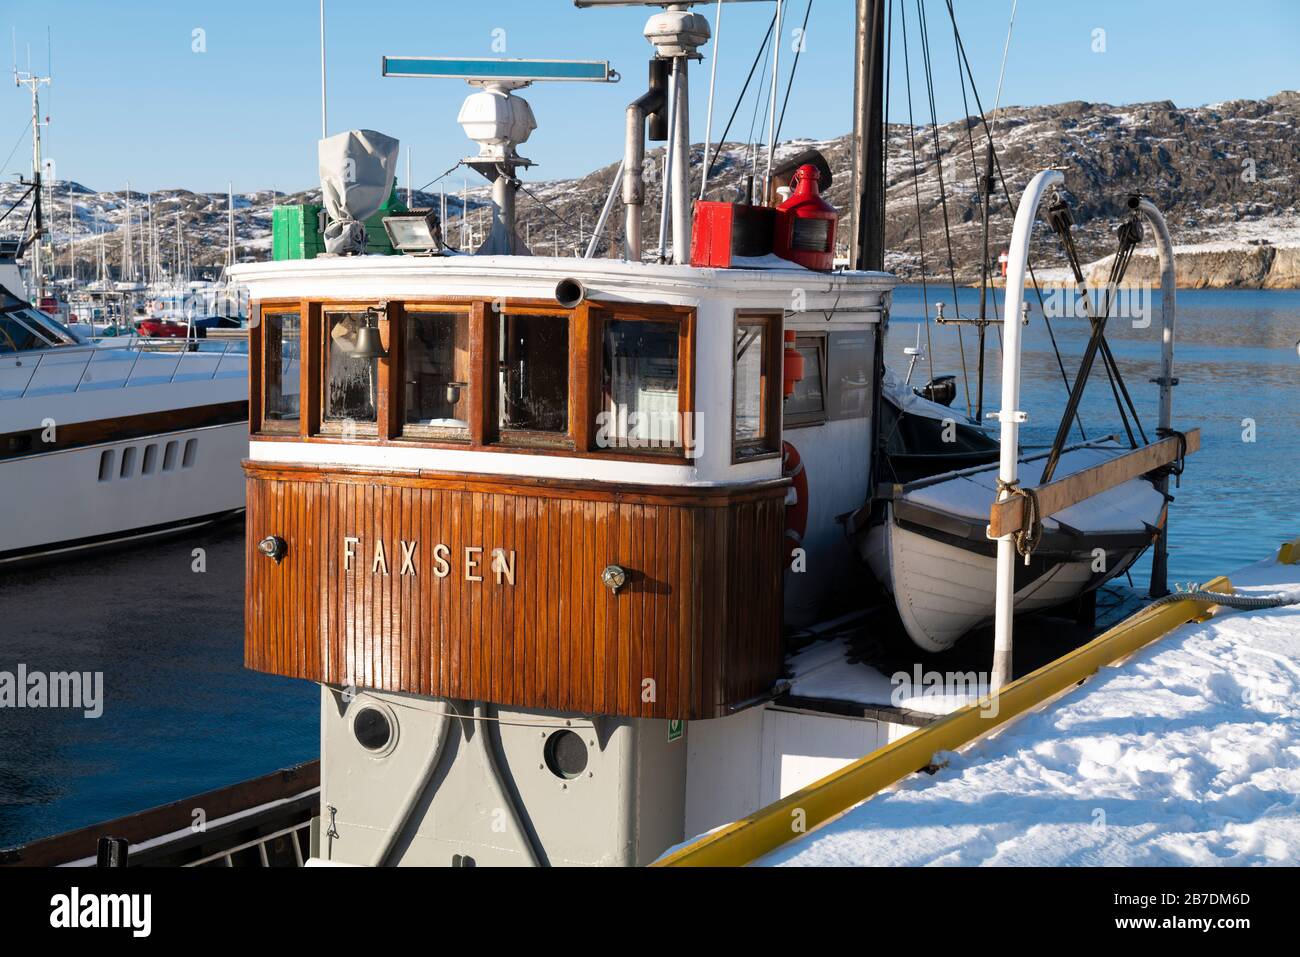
(805, 224)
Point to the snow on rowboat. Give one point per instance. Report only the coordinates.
(932, 554)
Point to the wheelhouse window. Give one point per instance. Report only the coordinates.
(436, 374)
(282, 335)
(807, 404)
(533, 357)
(349, 399)
(755, 388)
(639, 406)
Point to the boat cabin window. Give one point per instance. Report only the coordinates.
(639, 406)
(756, 386)
(807, 404)
(436, 375)
(350, 400)
(533, 389)
(602, 380)
(282, 359)
(21, 333)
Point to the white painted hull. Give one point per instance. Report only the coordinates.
(943, 591)
(79, 498)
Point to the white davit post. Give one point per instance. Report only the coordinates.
(1011, 416)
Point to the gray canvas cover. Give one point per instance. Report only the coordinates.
(357, 170)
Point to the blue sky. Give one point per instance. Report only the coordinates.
(132, 100)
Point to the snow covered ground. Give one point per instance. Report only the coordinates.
(1188, 753)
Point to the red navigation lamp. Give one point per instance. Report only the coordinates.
(805, 224)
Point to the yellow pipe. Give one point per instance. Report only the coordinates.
(768, 828)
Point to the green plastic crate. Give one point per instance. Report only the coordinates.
(296, 233)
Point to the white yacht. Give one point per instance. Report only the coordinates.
(108, 441)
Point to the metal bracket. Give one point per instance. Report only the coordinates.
(1012, 416)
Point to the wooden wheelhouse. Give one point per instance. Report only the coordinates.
(459, 488)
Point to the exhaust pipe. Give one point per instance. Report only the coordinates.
(649, 105)
(570, 293)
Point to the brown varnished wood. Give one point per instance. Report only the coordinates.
(700, 615)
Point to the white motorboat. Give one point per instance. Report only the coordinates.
(105, 442)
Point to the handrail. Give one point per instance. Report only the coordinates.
(140, 345)
(767, 829)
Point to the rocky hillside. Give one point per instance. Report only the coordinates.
(1227, 174)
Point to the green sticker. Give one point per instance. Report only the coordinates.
(675, 728)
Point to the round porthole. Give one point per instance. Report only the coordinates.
(565, 754)
(373, 729)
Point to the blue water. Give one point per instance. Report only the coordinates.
(182, 715)
(1236, 359)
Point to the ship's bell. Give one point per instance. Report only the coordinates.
(369, 345)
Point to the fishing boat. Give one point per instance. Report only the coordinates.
(539, 528)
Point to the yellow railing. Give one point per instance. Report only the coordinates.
(765, 830)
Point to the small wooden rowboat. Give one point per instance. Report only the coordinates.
(930, 549)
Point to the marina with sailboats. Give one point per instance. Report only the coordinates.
(623, 557)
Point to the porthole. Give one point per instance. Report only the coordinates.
(169, 456)
(106, 458)
(129, 455)
(191, 451)
(373, 729)
(150, 464)
(565, 754)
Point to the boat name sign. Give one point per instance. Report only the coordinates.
(472, 564)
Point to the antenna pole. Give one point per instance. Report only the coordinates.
(324, 120)
(771, 109)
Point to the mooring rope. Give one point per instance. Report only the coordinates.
(1242, 602)
(1031, 532)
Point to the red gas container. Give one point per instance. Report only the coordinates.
(805, 224)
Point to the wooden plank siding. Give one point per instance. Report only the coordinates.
(700, 614)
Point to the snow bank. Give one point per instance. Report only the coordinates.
(1186, 754)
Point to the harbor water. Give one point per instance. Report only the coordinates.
(163, 623)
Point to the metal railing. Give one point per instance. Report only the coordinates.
(140, 346)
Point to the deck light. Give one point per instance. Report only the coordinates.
(417, 232)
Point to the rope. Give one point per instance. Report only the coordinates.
(916, 189)
(964, 61)
(803, 35)
(1240, 602)
(1029, 536)
(943, 196)
(741, 98)
(1174, 468)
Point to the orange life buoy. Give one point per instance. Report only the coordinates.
(796, 512)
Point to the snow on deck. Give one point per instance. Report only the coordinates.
(1188, 753)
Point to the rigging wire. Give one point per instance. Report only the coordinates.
(803, 35)
(964, 61)
(916, 189)
(760, 100)
(713, 84)
(943, 195)
(17, 143)
(741, 98)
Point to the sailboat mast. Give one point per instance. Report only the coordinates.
(868, 251)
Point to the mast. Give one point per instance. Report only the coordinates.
(34, 83)
(868, 249)
(230, 224)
